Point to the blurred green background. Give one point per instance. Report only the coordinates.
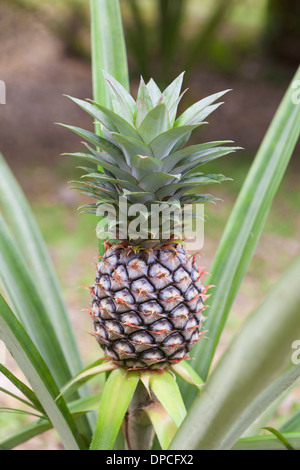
(251, 46)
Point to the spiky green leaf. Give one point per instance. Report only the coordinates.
(115, 400)
(167, 392)
(200, 110)
(155, 123)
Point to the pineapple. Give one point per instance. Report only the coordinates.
(147, 298)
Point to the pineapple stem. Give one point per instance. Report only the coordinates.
(137, 426)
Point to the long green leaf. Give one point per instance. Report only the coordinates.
(246, 222)
(38, 375)
(85, 376)
(28, 306)
(222, 412)
(21, 400)
(19, 411)
(268, 442)
(29, 240)
(263, 401)
(164, 426)
(76, 408)
(26, 391)
(24, 434)
(31, 247)
(280, 437)
(292, 425)
(187, 373)
(85, 404)
(116, 398)
(108, 48)
(167, 392)
(269, 413)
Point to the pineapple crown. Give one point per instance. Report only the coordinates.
(141, 154)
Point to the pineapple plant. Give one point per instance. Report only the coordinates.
(148, 298)
(34, 322)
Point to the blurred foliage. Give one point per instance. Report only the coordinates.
(164, 31)
(162, 35)
(170, 35)
(167, 36)
(282, 32)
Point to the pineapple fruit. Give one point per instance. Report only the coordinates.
(147, 298)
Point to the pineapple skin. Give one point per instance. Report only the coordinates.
(147, 306)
